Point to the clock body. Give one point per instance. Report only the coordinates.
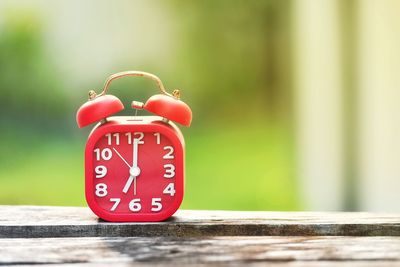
(134, 169)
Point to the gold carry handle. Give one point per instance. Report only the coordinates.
(92, 94)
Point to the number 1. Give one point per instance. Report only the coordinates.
(158, 138)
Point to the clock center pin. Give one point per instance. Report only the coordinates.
(134, 171)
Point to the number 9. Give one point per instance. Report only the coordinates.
(100, 171)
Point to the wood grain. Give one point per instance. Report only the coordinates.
(121, 251)
(67, 236)
(42, 222)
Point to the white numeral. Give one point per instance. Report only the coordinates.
(140, 138)
(116, 203)
(170, 189)
(100, 171)
(135, 205)
(169, 154)
(156, 204)
(169, 171)
(140, 134)
(129, 136)
(105, 154)
(109, 138)
(101, 190)
(158, 138)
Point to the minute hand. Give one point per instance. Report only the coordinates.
(135, 168)
(135, 153)
(134, 171)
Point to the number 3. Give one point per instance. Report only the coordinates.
(169, 171)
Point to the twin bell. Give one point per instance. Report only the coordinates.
(168, 106)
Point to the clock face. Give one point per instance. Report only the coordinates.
(135, 173)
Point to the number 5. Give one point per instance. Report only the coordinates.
(156, 204)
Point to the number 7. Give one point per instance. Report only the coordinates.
(117, 201)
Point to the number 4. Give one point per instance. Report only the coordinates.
(170, 189)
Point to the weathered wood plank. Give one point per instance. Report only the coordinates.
(34, 221)
(214, 250)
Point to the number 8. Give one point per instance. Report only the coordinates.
(101, 190)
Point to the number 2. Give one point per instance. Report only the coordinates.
(170, 153)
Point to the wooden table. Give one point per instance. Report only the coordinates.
(32, 235)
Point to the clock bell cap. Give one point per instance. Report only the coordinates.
(97, 109)
(170, 108)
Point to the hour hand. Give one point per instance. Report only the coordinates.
(128, 184)
(134, 172)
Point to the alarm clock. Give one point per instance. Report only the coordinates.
(134, 165)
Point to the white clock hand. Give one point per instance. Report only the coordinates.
(135, 153)
(134, 171)
(134, 186)
(128, 184)
(122, 158)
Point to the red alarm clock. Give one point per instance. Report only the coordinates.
(134, 165)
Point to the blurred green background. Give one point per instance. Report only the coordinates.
(239, 66)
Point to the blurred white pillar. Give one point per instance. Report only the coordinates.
(318, 104)
(379, 106)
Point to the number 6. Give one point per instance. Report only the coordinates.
(135, 205)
